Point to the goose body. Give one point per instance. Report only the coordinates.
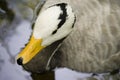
(92, 46)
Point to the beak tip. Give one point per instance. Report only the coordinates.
(20, 61)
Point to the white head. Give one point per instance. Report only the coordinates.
(53, 24)
(47, 26)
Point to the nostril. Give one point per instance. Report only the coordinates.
(20, 60)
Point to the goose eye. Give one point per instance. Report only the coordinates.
(54, 32)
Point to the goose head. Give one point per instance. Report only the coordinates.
(52, 24)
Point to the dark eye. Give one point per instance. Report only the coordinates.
(54, 32)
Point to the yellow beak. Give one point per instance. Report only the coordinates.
(32, 48)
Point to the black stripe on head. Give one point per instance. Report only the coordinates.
(63, 15)
(74, 21)
(54, 32)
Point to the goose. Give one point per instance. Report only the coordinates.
(82, 35)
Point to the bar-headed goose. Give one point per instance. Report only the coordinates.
(91, 45)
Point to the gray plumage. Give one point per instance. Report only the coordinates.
(93, 45)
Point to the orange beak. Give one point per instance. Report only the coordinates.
(32, 48)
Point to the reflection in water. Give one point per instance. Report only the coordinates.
(12, 28)
(14, 43)
(5, 12)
